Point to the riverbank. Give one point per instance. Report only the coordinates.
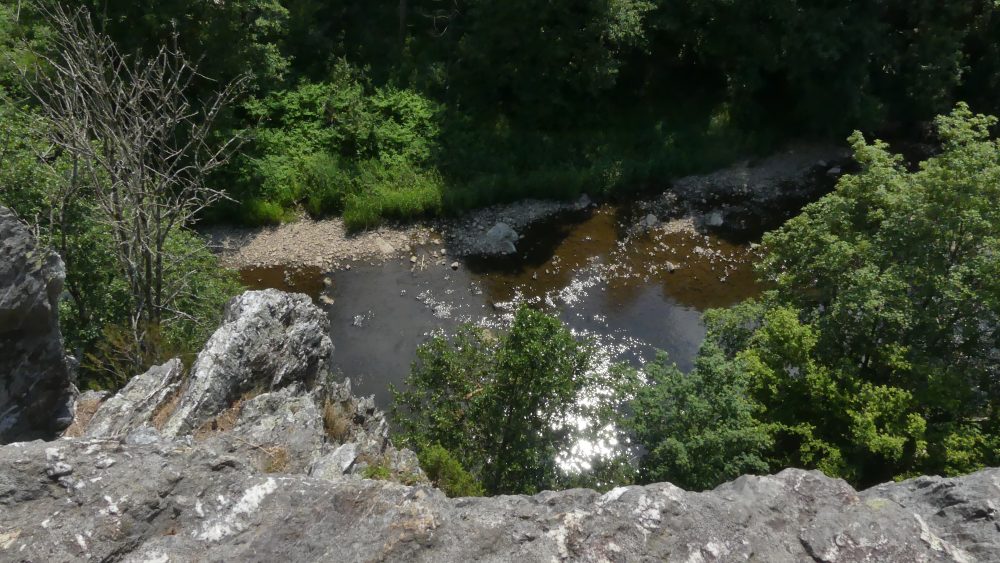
(741, 200)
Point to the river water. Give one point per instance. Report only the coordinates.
(630, 292)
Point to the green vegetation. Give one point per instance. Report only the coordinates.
(394, 110)
(447, 474)
(505, 407)
(874, 357)
(140, 286)
(699, 427)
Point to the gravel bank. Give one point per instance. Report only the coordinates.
(327, 244)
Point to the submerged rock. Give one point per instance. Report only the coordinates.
(36, 377)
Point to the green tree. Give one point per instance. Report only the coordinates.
(506, 407)
(534, 60)
(228, 39)
(699, 428)
(875, 356)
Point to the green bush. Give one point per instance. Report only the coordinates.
(325, 184)
(340, 146)
(256, 211)
(447, 473)
(873, 357)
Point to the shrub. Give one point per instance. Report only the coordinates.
(324, 183)
(447, 473)
(256, 211)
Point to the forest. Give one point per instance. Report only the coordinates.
(873, 355)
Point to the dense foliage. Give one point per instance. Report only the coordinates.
(873, 357)
(508, 407)
(876, 355)
(46, 185)
(394, 109)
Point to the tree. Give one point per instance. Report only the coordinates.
(141, 147)
(506, 407)
(232, 40)
(699, 428)
(534, 60)
(896, 273)
(875, 356)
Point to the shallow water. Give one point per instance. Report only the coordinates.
(606, 284)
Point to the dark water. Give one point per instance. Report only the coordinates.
(604, 283)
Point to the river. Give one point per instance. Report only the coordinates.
(630, 291)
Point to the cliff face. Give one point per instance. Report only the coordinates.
(36, 388)
(178, 501)
(255, 453)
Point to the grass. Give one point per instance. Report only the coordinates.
(336, 422)
(278, 459)
(377, 472)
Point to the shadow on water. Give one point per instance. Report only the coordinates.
(308, 280)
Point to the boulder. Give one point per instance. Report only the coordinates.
(284, 429)
(36, 377)
(268, 340)
(500, 239)
(714, 219)
(336, 464)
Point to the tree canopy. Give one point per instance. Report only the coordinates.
(875, 355)
(509, 407)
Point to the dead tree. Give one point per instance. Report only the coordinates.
(140, 143)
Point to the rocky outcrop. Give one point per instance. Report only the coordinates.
(36, 379)
(269, 339)
(167, 501)
(138, 404)
(260, 391)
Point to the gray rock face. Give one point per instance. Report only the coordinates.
(260, 391)
(77, 499)
(269, 339)
(138, 403)
(36, 381)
